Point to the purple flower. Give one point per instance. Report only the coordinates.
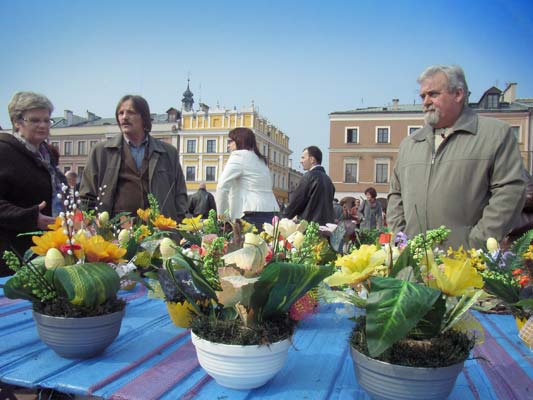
(400, 240)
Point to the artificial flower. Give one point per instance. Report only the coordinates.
(168, 248)
(144, 214)
(357, 266)
(97, 249)
(191, 224)
(285, 227)
(163, 223)
(58, 223)
(296, 239)
(49, 240)
(455, 277)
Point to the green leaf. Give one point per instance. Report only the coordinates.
(403, 261)
(462, 306)
(506, 292)
(198, 278)
(14, 289)
(394, 307)
(430, 324)
(88, 284)
(281, 284)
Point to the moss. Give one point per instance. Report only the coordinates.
(62, 308)
(443, 350)
(234, 332)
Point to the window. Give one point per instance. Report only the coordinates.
(55, 144)
(80, 173)
(382, 135)
(382, 173)
(191, 146)
(275, 155)
(67, 148)
(265, 150)
(283, 182)
(190, 174)
(66, 169)
(492, 101)
(350, 172)
(412, 129)
(210, 174)
(352, 135)
(211, 146)
(92, 143)
(516, 132)
(82, 148)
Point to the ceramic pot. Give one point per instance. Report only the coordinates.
(382, 380)
(78, 337)
(241, 367)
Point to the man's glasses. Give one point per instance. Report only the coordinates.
(37, 121)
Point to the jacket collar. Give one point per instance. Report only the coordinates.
(467, 122)
(153, 144)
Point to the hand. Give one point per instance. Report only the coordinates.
(44, 220)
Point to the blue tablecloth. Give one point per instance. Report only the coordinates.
(153, 359)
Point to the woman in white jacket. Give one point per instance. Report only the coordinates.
(245, 188)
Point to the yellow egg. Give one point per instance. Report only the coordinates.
(167, 247)
(492, 245)
(54, 259)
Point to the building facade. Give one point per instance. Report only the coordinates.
(200, 135)
(364, 142)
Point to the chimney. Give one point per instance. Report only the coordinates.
(509, 93)
(395, 104)
(68, 117)
(91, 116)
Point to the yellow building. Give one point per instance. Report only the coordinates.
(199, 135)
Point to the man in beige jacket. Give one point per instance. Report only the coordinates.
(460, 170)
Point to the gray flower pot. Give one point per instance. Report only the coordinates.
(382, 380)
(78, 337)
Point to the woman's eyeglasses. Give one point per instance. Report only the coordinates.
(37, 121)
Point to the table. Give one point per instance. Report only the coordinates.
(153, 359)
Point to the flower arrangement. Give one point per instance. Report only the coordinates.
(242, 289)
(508, 274)
(414, 298)
(72, 274)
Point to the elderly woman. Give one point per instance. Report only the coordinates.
(28, 173)
(245, 188)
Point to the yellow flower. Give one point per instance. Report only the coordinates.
(58, 223)
(97, 249)
(528, 255)
(144, 214)
(357, 266)
(164, 224)
(191, 224)
(143, 231)
(49, 240)
(455, 277)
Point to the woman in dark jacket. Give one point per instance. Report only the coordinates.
(28, 173)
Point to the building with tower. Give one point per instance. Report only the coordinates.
(200, 135)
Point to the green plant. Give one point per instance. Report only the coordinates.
(415, 300)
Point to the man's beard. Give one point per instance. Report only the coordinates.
(432, 116)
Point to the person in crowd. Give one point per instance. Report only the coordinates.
(313, 198)
(337, 210)
(244, 189)
(72, 180)
(370, 213)
(28, 173)
(201, 202)
(460, 170)
(133, 164)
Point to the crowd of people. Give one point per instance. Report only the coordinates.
(460, 170)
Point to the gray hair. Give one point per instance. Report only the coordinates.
(455, 75)
(25, 101)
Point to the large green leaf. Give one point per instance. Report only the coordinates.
(198, 278)
(281, 284)
(88, 284)
(394, 307)
(404, 260)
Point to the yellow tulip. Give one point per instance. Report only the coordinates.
(455, 277)
(191, 224)
(357, 266)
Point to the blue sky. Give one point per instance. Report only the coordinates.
(297, 60)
